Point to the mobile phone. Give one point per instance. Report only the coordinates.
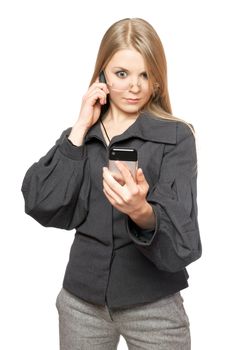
(128, 156)
(102, 78)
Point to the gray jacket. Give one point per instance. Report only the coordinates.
(112, 260)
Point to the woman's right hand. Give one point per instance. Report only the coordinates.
(95, 97)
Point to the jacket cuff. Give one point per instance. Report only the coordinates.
(143, 237)
(68, 149)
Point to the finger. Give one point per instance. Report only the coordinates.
(108, 197)
(126, 174)
(140, 176)
(113, 195)
(102, 86)
(112, 201)
(141, 180)
(97, 94)
(107, 176)
(118, 177)
(96, 89)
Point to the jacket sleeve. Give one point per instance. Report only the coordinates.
(175, 242)
(56, 188)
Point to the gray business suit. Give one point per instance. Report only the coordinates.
(112, 260)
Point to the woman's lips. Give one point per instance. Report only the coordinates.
(132, 100)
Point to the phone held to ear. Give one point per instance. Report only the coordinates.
(102, 78)
(127, 155)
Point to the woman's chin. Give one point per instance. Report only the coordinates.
(129, 108)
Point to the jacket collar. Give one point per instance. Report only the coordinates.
(146, 127)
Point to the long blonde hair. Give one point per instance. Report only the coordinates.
(139, 34)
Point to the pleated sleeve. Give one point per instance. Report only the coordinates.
(56, 188)
(175, 241)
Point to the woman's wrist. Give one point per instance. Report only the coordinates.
(144, 217)
(77, 134)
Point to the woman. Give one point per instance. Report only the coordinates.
(134, 235)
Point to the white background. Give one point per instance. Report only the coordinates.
(48, 51)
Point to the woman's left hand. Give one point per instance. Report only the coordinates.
(129, 195)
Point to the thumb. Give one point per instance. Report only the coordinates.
(140, 176)
(141, 181)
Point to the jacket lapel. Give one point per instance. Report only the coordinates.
(146, 127)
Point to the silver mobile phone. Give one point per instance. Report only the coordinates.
(126, 155)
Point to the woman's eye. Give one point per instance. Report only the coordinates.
(145, 76)
(121, 74)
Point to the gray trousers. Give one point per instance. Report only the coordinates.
(161, 325)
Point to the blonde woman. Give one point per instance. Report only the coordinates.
(135, 234)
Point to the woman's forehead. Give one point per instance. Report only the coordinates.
(127, 58)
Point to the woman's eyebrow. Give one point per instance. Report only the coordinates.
(125, 69)
(120, 68)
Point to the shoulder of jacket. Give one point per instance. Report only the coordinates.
(184, 130)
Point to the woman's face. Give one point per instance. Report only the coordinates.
(128, 81)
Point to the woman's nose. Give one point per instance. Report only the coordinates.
(135, 84)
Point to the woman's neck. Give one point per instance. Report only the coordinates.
(117, 117)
